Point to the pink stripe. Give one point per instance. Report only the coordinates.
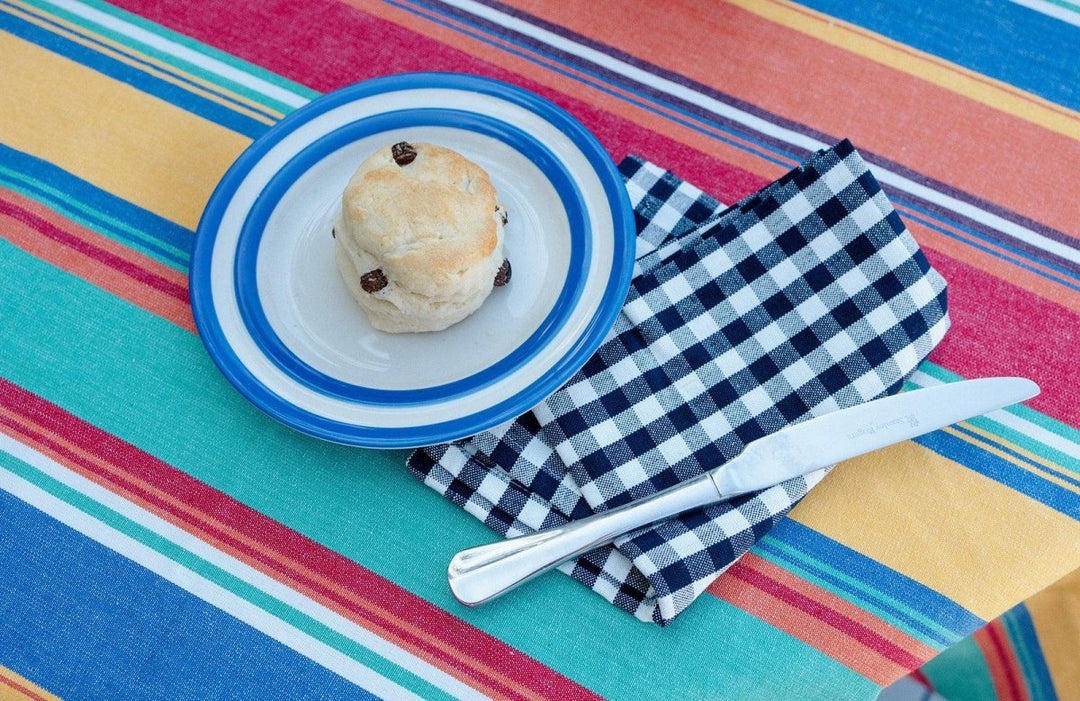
(816, 609)
(1000, 329)
(474, 655)
(299, 47)
(73, 242)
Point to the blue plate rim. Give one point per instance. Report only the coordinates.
(262, 332)
(249, 386)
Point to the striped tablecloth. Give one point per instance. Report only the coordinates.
(160, 537)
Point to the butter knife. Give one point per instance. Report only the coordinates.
(482, 573)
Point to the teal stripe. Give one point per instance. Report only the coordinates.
(218, 576)
(1071, 7)
(1025, 644)
(855, 591)
(96, 209)
(961, 673)
(1061, 472)
(1061, 461)
(246, 90)
(153, 385)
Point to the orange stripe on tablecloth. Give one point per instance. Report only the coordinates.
(808, 81)
(95, 460)
(97, 259)
(498, 56)
(838, 628)
(1005, 671)
(142, 61)
(1004, 269)
(823, 20)
(14, 686)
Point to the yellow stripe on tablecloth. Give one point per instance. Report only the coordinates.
(1057, 624)
(978, 542)
(994, 93)
(131, 144)
(144, 62)
(14, 686)
(1032, 462)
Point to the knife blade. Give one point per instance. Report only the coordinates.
(482, 573)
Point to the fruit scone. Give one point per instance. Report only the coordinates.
(419, 242)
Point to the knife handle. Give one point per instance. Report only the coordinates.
(482, 573)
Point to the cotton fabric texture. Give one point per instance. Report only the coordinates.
(805, 297)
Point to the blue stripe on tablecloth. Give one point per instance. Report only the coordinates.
(877, 602)
(717, 125)
(134, 76)
(892, 584)
(1025, 642)
(696, 118)
(957, 448)
(95, 208)
(83, 621)
(995, 38)
(1057, 471)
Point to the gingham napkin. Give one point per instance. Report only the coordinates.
(806, 297)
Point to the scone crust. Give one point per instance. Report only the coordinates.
(434, 229)
(426, 223)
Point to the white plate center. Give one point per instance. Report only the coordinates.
(310, 310)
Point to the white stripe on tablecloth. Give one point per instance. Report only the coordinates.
(1066, 12)
(184, 53)
(214, 593)
(761, 125)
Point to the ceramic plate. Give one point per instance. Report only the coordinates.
(279, 323)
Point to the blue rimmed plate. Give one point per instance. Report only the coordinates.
(279, 323)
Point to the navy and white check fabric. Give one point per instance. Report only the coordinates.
(806, 297)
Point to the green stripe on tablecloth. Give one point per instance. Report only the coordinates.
(154, 386)
(220, 577)
(961, 674)
(855, 591)
(1067, 436)
(81, 202)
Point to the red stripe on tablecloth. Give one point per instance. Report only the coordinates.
(353, 591)
(817, 608)
(1001, 659)
(97, 259)
(920, 676)
(852, 636)
(301, 48)
(1019, 333)
(991, 257)
(72, 240)
(1040, 340)
(24, 691)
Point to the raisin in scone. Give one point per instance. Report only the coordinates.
(420, 239)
